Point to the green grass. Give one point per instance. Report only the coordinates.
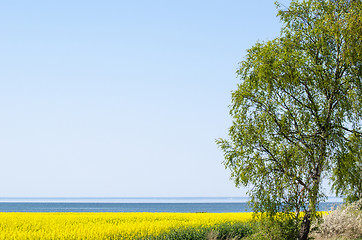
(220, 231)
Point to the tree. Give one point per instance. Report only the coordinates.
(297, 106)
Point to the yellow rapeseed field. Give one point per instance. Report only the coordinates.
(105, 225)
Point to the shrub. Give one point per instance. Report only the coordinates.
(281, 228)
(344, 222)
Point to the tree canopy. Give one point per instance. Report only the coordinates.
(297, 110)
(347, 173)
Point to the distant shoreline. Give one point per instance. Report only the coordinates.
(330, 199)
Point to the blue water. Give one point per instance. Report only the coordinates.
(212, 205)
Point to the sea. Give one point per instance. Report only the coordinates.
(153, 204)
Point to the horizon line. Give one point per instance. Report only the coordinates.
(151, 197)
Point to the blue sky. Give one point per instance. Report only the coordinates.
(121, 98)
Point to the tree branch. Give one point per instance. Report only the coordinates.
(351, 131)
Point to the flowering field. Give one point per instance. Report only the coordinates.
(107, 225)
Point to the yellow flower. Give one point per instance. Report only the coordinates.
(105, 225)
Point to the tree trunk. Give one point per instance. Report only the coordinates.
(305, 227)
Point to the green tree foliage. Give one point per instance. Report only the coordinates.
(347, 174)
(297, 107)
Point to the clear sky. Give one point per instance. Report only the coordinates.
(121, 98)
